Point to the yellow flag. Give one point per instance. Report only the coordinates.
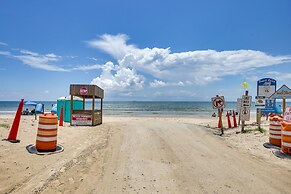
(244, 84)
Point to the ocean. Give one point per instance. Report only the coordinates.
(136, 108)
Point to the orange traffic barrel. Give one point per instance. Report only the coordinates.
(286, 137)
(275, 130)
(46, 139)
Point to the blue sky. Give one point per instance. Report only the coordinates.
(143, 50)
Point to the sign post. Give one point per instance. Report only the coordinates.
(238, 108)
(265, 88)
(245, 111)
(260, 103)
(219, 103)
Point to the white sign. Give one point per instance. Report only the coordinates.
(238, 105)
(246, 101)
(218, 102)
(81, 120)
(245, 114)
(287, 114)
(260, 102)
(266, 87)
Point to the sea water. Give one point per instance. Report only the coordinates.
(135, 108)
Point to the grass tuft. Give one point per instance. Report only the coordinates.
(5, 125)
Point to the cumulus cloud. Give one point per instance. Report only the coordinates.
(114, 45)
(119, 79)
(197, 67)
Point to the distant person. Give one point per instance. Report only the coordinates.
(25, 112)
(214, 115)
(32, 111)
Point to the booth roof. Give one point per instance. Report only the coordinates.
(69, 98)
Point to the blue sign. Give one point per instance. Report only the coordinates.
(270, 106)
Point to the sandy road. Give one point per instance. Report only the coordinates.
(148, 155)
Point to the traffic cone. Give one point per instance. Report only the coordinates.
(234, 119)
(14, 129)
(61, 123)
(228, 120)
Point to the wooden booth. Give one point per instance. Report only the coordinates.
(86, 117)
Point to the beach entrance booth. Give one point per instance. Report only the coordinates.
(85, 117)
(65, 102)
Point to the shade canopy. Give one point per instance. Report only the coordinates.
(30, 103)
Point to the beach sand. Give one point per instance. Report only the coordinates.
(143, 155)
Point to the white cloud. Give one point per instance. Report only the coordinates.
(197, 67)
(92, 58)
(280, 76)
(5, 53)
(88, 67)
(113, 45)
(3, 44)
(39, 61)
(119, 79)
(159, 83)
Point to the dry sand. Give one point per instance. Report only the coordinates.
(143, 155)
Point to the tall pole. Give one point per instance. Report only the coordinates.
(259, 119)
(284, 105)
(220, 120)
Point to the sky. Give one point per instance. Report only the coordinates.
(137, 50)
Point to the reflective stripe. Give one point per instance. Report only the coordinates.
(275, 123)
(275, 136)
(275, 127)
(46, 138)
(286, 133)
(48, 132)
(275, 132)
(47, 126)
(286, 144)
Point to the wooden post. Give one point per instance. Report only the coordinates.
(93, 110)
(284, 105)
(243, 122)
(220, 119)
(101, 109)
(239, 118)
(259, 119)
(83, 103)
(71, 109)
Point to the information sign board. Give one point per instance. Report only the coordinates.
(283, 92)
(260, 102)
(238, 105)
(81, 120)
(246, 101)
(266, 87)
(218, 102)
(245, 114)
(287, 114)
